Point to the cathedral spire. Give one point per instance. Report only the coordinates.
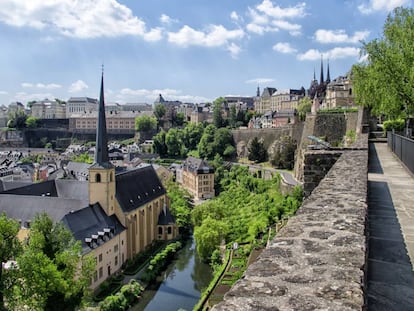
(328, 75)
(321, 81)
(258, 91)
(101, 152)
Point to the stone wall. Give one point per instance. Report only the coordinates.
(317, 164)
(243, 137)
(317, 261)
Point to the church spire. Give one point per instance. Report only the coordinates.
(328, 75)
(101, 152)
(321, 81)
(258, 91)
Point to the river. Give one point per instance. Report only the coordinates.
(180, 285)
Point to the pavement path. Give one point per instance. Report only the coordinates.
(390, 232)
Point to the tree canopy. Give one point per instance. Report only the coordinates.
(257, 151)
(145, 123)
(384, 82)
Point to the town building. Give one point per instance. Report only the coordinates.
(286, 99)
(339, 93)
(48, 109)
(114, 215)
(198, 178)
(263, 103)
(80, 105)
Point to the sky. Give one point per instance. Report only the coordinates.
(187, 50)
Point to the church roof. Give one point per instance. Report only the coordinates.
(90, 221)
(101, 150)
(197, 166)
(165, 217)
(137, 187)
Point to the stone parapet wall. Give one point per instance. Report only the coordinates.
(317, 261)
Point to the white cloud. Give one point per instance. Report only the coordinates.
(24, 97)
(214, 36)
(234, 16)
(234, 50)
(381, 5)
(269, 9)
(80, 19)
(49, 86)
(259, 81)
(77, 86)
(284, 47)
(339, 36)
(269, 18)
(165, 19)
(335, 53)
(4, 92)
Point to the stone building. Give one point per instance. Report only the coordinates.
(48, 109)
(339, 93)
(198, 178)
(263, 104)
(80, 105)
(286, 99)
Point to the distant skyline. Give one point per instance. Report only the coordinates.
(192, 51)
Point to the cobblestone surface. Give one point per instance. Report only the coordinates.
(317, 261)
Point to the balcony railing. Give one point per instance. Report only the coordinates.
(403, 147)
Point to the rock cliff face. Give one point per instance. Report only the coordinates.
(317, 261)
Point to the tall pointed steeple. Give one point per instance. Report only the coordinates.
(321, 81)
(258, 91)
(314, 74)
(101, 152)
(328, 75)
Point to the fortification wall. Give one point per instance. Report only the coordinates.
(317, 261)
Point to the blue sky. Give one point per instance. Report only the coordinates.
(188, 50)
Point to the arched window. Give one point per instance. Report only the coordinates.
(159, 230)
(169, 230)
(110, 177)
(98, 178)
(350, 91)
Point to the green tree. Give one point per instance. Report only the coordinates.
(9, 248)
(206, 145)
(209, 235)
(233, 116)
(284, 156)
(180, 206)
(179, 119)
(145, 123)
(32, 122)
(217, 112)
(174, 143)
(17, 119)
(385, 81)
(52, 273)
(83, 158)
(257, 151)
(192, 134)
(304, 106)
(159, 143)
(159, 111)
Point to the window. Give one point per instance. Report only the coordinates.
(116, 260)
(100, 272)
(115, 248)
(159, 230)
(169, 230)
(100, 257)
(95, 276)
(110, 177)
(98, 178)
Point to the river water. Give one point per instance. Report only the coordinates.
(180, 285)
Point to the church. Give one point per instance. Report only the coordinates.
(115, 215)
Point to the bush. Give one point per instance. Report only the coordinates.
(124, 298)
(397, 125)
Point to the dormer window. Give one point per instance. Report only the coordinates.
(98, 178)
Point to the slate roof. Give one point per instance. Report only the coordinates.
(89, 221)
(46, 188)
(8, 185)
(165, 217)
(137, 187)
(197, 166)
(25, 207)
(73, 189)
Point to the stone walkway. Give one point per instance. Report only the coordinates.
(390, 231)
